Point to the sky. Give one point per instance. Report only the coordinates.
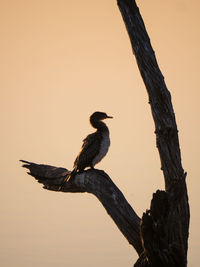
(60, 62)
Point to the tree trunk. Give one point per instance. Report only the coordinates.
(174, 224)
(160, 237)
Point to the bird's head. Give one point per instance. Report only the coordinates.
(98, 116)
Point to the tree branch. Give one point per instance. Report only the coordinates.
(159, 96)
(164, 119)
(98, 183)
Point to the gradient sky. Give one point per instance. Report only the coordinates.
(61, 61)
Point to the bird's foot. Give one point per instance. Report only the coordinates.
(92, 168)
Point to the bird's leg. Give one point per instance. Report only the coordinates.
(92, 167)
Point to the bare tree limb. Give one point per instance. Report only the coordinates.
(98, 183)
(165, 123)
(159, 96)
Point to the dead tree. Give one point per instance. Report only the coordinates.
(160, 237)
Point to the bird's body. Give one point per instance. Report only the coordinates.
(104, 146)
(95, 146)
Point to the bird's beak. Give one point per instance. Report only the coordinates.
(109, 117)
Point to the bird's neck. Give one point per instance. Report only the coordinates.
(99, 125)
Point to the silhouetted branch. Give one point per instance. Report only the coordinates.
(159, 96)
(99, 184)
(165, 124)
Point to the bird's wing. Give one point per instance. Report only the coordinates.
(89, 150)
(51, 177)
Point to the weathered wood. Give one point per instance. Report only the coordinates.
(165, 123)
(155, 234)
(99, 184)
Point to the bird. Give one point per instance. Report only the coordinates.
(95, 146)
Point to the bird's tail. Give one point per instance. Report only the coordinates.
(72, 174)
(68, 177)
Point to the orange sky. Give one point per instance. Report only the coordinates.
(61, 61)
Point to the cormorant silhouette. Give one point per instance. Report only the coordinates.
(95, 146)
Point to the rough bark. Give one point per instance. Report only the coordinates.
(160, 237)
(166, 138)
(99, 184)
